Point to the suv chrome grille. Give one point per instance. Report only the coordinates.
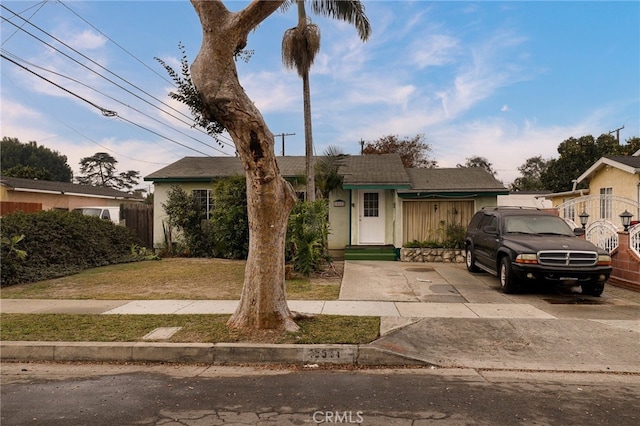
(567, 258)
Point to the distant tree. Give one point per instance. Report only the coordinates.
(631, 146)
(531, 172)
(577, 155)
(477, 161)
(30, 161)
(413, 152)
(100, 170)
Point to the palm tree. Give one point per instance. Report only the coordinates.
(300, 45)
(328, 166)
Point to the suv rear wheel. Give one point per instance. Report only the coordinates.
(507, 282)
(470, 260)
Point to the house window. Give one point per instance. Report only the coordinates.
(606, 203)
(203, 196)
(371, 204)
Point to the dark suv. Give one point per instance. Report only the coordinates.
(526, 245)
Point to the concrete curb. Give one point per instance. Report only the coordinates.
(206, 353)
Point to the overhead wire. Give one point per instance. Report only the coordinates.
(113, 99)
(228, 140)
(42, 3)
(104, 111)
(102, 76)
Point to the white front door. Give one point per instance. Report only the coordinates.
(371, 218)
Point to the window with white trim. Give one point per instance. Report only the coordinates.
(606, 203)
(203, 196)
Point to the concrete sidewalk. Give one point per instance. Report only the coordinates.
(431, 314)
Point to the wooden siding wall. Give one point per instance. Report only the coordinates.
(427, 220)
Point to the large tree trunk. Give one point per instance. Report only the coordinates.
(269, 197)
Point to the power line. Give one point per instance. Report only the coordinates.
(102, 67)
(32, 15)
(115, 100)
(104, 111)
(114, 42)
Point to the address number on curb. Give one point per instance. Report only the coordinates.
(329, 355)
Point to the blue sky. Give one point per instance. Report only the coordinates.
(503, 80)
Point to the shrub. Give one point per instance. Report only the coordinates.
(59, 243)
(185, 215)
(453, 239)
(307, 235)
(228, 220)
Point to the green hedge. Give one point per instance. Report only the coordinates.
(59, 243)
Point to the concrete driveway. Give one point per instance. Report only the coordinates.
(462, 319)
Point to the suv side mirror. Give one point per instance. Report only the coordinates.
(578, 232)
(490, 230)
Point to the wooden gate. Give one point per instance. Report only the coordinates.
(139, 218)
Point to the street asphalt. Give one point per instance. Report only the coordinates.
(432, 314)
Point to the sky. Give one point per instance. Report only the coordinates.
(503, 80)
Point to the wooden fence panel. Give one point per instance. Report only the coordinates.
(139, 218)
(7, 207)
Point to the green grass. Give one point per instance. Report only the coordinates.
(328, 329)
(171, 278)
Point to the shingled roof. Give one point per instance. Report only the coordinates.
(380, 171)
(206, 168)
(465, 180)
(52, 187)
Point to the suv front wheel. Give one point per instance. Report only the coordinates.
(593, 289)
(507, 283)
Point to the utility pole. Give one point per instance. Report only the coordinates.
(361, 146)
(617, 131)
(283, 135)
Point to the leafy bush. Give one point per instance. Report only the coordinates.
(454, 236)
(185, 215)
(453, 239)
(307, 235)
(224, 235)
(228, 221)
(59, 243)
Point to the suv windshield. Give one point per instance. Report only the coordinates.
(537, 224)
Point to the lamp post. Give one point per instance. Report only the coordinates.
(584, 218)
(625, 217)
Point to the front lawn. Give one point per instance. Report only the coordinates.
(171, 278)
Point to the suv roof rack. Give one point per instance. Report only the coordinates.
(510, 208)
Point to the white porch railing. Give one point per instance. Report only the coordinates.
(599, 208)
(603, 234)
(634, 239)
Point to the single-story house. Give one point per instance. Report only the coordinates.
(380, 202)
(34, 195)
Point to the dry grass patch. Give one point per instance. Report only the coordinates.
(195, 329)
(171, 278)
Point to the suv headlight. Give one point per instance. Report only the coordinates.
(527, 258)
(604, 260)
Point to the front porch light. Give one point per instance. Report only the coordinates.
(584, 218)
(625, 217)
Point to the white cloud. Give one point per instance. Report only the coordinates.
(434, 50)
(85, 40)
